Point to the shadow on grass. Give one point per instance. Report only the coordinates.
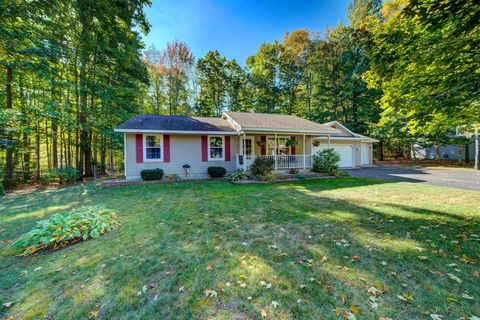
(275, 233)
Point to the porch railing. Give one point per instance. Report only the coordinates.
(279, 162)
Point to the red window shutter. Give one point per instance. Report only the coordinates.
(227, 148)
(166, 148)
(263, 148)
(293, 147)
(204, 148)
(139, 147)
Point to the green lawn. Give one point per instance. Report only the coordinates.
(324, 249)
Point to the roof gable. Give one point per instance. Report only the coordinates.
(275, 122)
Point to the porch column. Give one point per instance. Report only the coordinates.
(243, 153)
(304, 155)
(275, 152)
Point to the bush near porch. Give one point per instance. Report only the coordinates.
(322, 249)
(326, 161)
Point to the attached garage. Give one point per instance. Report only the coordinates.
(366, 153)
(346, 151)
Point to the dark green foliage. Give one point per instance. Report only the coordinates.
(88, 222)
(326, 160)
(262, 167)
(63, 175)
(2, 189)
(152, 174)
(216, 172)
(239, 175)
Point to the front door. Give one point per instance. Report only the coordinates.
(248, 147)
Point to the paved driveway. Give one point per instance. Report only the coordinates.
(467, 179)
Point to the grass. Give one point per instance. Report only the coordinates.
(321, 245)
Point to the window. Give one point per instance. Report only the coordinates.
(282, 148)
(153, 147)
(215, 147)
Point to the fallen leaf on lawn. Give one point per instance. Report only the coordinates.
(435, 316)
(228, 284)
(344, 299)
(423, 257)
(372, 302)
(405, 298)
(181, 289)
(374, 291)
(383, 263)
(263, 313)
(355, 258)
(384, 318)
(37, 269)
(242, 284)
(93, 314)
(144, 289)
(474, 318)
(467, 296)
(323, 258)
(355, 310)
(452, 299)
(275, 304)
(350, 316)
(8, 304)
(454, 277)
(210, 293)
(210, 266)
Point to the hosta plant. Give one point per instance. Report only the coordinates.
(63, 229)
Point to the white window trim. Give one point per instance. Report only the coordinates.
(145, 147)
(223, 148)
(278, 137)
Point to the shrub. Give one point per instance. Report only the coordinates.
(301, 176)
(2, 189)
(8, 182)
(293, 171)
(267, 176)
(239, 175)
(45, 180)
(152, 174)
(326, 160)
(64, 175)
(63, 229)
(262, 166)
(216, 172)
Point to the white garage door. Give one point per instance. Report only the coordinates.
(366, 153)
(345, 151)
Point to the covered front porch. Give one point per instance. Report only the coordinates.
(286, 151)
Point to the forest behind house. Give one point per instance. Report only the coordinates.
(401, 71)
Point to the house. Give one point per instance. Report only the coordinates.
(233, 141)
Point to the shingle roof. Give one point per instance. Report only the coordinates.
(176, 123)
(266, 121)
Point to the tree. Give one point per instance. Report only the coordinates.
(263, 74)
(178, 61)
(423, 60)
(212, 79)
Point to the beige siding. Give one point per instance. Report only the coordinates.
(184, 149)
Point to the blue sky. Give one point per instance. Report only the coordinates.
(236, 28)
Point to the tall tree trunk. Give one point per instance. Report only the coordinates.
(9, 165)
(437, 151)
(54, 130)
(103, 154)
(26, 157)
(37, 149)
(477, 150)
